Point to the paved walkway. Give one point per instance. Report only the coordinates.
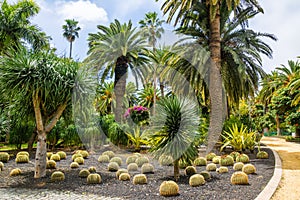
(289, 152)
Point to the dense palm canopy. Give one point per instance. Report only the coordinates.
(112, 50)
(15, 27)
(71, 32)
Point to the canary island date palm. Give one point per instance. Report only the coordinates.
(71, 32)
(43, 84)
(16, 28)
(112, 50)
(174, 127)
(176, 10)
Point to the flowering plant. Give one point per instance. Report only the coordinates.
(138, 114)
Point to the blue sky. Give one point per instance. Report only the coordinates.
(281, 18)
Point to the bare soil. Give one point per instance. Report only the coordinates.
(219, 187)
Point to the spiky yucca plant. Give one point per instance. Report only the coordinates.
(169, 188)
(175, 125)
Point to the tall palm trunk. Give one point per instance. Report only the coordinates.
(120, 86)
(215, 83)
(71, 44)
(176, 170)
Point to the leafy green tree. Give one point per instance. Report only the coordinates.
(113, 49)
(176, 10)
(175, 125)
(71, 32)
(15, 26)
(43, 84)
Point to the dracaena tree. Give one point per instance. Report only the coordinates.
(39, 84)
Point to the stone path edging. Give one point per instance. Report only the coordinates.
(272, 185)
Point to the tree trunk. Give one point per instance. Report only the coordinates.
(278, 125)
(297, 132)
(31, 140)
(162, 87)
(215, 84)
(71, 44)
(120, 86)
(176, 170)
(154, 91)
(40, 157)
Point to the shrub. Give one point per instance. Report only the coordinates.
(206, 175)
(1, 166)
(103, 159)
(147, 168)
(76, 155)
(62, 155)
(124, 177)
(216, 159)
(210, 156)
(244, 158)
(110, 154)
(238, 166)
(234, 154)
(165, 160)
(120, 171)
(201, 161)
(249, 169)
(262, 155)
(139, 179)
(131, 159)
(51, 164)
(49, 154)
(57, 176)
(132, 167)
(168, 188)
(92, 169)
(94, 179)
(55, 157)
(113, 167)
(226, 161)
(211, 167)
(79, 160)
(84, 173)
(4, 157)
(222, 170)
(196, 180)
(22, 159)
(239, 178)
(22, 153)
(74, 165)
(141, 160)
(190, 170)
(15, 172)
(84, 153)
(117, 160)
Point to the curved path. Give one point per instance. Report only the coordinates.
(289, 152)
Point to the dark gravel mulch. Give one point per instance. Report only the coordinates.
(219, 187)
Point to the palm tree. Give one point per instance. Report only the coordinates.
(71, 32)
(113, 49)
(44, 83)
(175, 7)
(16, 29)
(152, 26)
(175, 126)
(241, 65)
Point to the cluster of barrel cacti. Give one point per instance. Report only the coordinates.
(22, 157)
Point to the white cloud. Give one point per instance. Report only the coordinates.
(82, 11)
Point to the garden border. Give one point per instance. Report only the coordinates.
(272, 185)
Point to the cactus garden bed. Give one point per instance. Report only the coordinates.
(218, 187)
